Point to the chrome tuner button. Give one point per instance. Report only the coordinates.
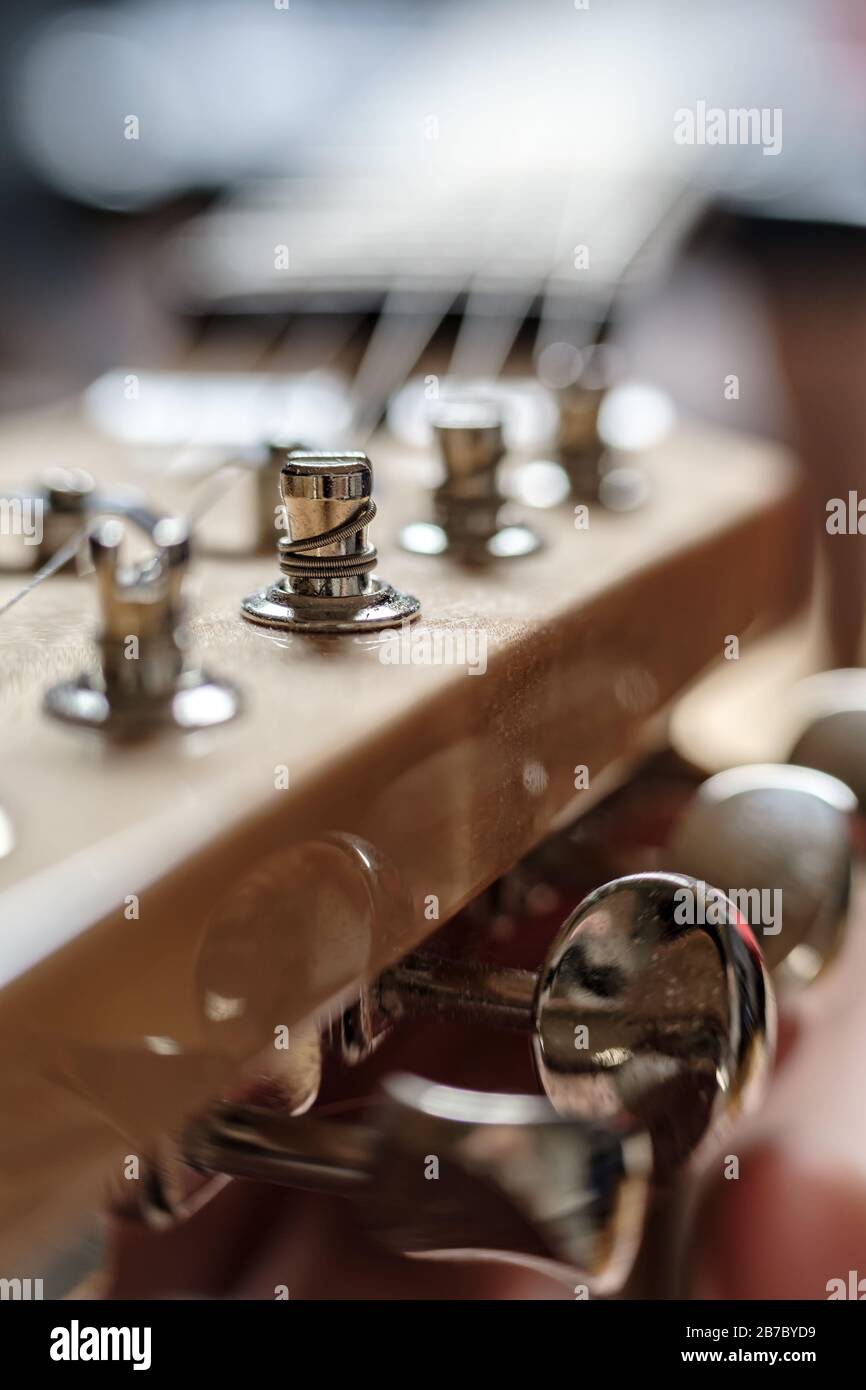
(514, 1179)
(467, 506)
(326, 559)
(652, 1010)
(778, 838)
(144, 681)
(833, 727)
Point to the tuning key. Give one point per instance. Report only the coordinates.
(467, 506)
(66, 499)
(513, 1179)
(268, 461)
(144, 681)
(583, 450)
(833, 732)
(781, 837)
(647, 1010)
(326, 558)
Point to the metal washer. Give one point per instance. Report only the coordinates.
(383, 606)
(200, 702)
(508, 543)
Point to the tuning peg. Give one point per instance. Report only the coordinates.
(326, 559)
(467, 505)
(579, 445)
(66, 495)
(778, 838)
(443, 1171)
(64, 500)
(652, 1009)
(267, 460)
(583, 450)
(833, 732)
(143, 681)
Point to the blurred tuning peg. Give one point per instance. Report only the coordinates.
(144, 681)
(651, 1010)
(61, 504)
(66, 494)
(583, 450)
(514, 1179)
(467, 505)
(579, 443)
(268, 461)
(833, 735)
(778, 838)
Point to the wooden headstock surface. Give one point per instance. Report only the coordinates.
(163, 907)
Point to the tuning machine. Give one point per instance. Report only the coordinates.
(61, 504)
(652, 1027)
(144, 682)
(833, 727)
(270, 507)
(448, 1172)
(264, 462)
(326, 559)
(468, 505)
(593, 468)
(648, 1011)
(780, 836)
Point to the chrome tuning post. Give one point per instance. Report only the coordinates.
(780, 837)
(65, 499)
(268, 461)
(514, 1179)
(592, 467)
(66, 495)
(144, 682)
(652, 1010)
(326, 559)
(467, 506)
(580, 447)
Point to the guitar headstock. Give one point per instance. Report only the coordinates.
(175, 889)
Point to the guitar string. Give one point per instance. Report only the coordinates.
(676, 209)
(388, 357)
(406, 325)
(210, 496)
(377, 372)
(60, 558)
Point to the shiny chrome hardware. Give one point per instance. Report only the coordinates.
(66, 499)
(593, 468)
(326, 559)
(269, 460)
(467, 506)
(779, 836)
(144, 681)
(447, 1172)
(833, 734)
(580, 448)
(652, 1010)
